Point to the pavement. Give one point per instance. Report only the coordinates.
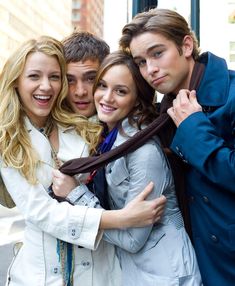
(11, 231)
(11, 225)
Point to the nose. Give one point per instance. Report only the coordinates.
(45, 84)
(108, 95)
(80, 89)
(152, 67)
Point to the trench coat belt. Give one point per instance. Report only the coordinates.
(176, 219)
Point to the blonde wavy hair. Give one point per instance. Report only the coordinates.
(15, 146)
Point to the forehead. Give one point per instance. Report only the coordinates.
(118, 74)
(145, 42)
(82, 67)
(39, 60)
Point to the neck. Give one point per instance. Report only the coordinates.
(45, 128)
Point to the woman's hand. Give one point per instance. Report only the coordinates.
(62, 184)
(141, 212)
(137, 213)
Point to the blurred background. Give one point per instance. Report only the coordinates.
(212, 21)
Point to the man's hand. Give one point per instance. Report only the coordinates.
(184, 105)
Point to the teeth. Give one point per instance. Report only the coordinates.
(108, 108)
(43, 97)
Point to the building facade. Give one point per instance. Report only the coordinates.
(24, 19)
(88, 15)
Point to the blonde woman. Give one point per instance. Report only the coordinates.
(62, 243)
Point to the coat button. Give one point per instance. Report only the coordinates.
(214, 238)
(205, 199)
(180, 154)
(86, 264)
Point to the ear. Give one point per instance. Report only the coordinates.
(187, 46)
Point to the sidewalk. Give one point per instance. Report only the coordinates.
(11, 225)
(11, 231)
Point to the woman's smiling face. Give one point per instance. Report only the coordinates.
(115, 95)
(39, 86)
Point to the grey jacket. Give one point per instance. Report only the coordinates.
(160, 254)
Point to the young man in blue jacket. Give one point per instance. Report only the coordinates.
(166, 51)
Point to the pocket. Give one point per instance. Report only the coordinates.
(117, 171)
(15, 263)
(154, 238)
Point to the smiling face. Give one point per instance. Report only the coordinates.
(115, 95)
(81, 76)
(162, 65)
(39, 86)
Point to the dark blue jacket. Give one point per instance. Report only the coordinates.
(206, 140)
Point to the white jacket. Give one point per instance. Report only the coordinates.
(37, 261)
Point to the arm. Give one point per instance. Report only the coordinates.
(75, 224)
(155, 169)
(211, 155)
(137, 213)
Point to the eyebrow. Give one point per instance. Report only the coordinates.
(91, 72)
(122, 86)
(149, 50)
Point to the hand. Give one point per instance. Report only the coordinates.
(62, 184)
(139, 212)
(184, 105)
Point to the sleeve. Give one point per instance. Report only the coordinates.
(146, 164)
(82, 196)
(198, 143)
(75, 224)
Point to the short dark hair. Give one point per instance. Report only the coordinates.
(82, 46)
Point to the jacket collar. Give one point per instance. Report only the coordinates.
(214, 86)
(38, 139)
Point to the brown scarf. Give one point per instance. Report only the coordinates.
(162, 126)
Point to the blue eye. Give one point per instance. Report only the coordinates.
(140, 63)
(157, 54)
(33, 76)
(55, 77)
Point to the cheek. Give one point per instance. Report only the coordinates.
(128, 106)
(97, 97)
(143, 72)
(71, 89)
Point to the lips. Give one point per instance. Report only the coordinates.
(106, 108)
(158, 80)
(42, 99)
(82, 104)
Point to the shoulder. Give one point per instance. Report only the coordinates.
(71, 144)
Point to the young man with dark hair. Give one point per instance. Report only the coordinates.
(83, 54)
